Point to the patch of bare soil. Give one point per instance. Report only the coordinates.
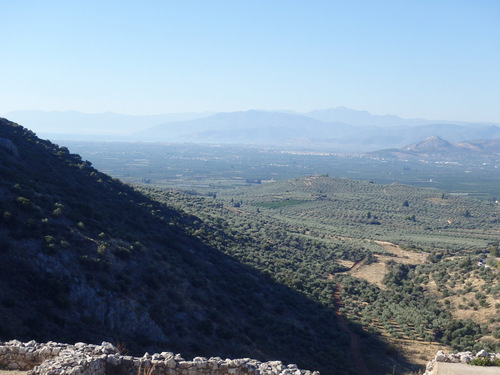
(375, 272)
(345, 263)
(466, 306)
(13, 372)
(403, 256)
(419, 352)
(432, 288)
(480, 316)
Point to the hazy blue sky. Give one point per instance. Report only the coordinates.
(430, 59)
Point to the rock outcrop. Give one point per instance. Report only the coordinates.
(86, 359)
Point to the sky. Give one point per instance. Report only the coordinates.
(436, 59)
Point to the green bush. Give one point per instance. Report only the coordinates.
(485, 361)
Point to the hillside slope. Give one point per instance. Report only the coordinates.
(86, 258)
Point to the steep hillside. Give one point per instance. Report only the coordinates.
(87, 258)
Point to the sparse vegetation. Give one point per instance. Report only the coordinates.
(485, 361)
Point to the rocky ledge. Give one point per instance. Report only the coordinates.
(463, 357)
(86, 359)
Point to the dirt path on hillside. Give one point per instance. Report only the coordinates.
(355, 345)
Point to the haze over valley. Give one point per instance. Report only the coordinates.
(335, 130)
(306, 183)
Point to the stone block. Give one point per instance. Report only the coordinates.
(482, 353)
(185, 364)
(13, 366)
(171, 363)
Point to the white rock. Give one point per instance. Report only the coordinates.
(440, 356)
(171, 363)
(80, 345)
(465, 358)
(482, 353)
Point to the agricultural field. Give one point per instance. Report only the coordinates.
(404, 252)
(414, 267)
(204, 167)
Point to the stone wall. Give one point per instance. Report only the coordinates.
(463, 357)
(85, 359)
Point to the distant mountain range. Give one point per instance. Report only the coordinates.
(77, 125)
(339, 129)
(276, 128)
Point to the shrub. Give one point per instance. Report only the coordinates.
(23, 202)
(485, 361)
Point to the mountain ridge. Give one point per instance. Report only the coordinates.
(339, 129)
(276, 128)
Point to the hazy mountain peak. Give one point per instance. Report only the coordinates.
(431, 143)
(361, 118)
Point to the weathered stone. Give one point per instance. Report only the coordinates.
(13, 366)
(114, 360)
(482, 353)
(465, 358)
(212, 364)
(84, 359)
(185, 364)
(440, 356)
(171, 363)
